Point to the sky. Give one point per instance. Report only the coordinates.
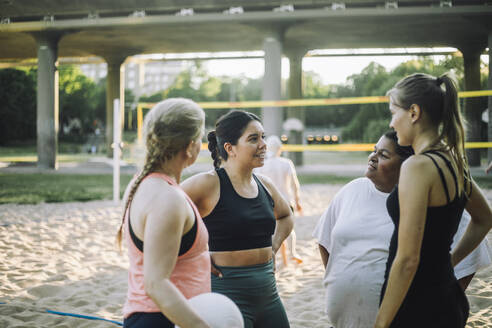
(332, 70)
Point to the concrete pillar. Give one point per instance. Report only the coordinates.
(272, 116)
(489, 87)
(115, 89)
(472, 110)
(294, 90)
(47, 100)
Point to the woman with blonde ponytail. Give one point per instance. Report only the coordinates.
(163, 230)
(420, 288)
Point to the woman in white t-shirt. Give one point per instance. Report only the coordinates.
(354, 233)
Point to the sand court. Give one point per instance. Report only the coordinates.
(62, 257)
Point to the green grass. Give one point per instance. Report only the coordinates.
(30, 149)
(53, 188)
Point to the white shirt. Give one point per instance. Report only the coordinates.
(283, 175)
(356, 231)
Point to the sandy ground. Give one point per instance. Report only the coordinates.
(62, 257)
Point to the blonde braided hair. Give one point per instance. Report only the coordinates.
(169, 127)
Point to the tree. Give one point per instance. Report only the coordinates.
(77, 103)
(375, 81)
(153, 98)
(323, 116)
(17, 105)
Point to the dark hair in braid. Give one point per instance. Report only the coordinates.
(169, 127)
(212, 146)
(229, 128)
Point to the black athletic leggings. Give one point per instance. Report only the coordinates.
(147, 320)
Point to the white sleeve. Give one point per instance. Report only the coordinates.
(322, 231)
(294, 183)
(292, 169)
(479, 258)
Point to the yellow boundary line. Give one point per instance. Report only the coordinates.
(295, 103)
(354, 147)
(312, 102)
(291, 148)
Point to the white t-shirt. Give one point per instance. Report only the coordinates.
(283, 175)
(356, 231)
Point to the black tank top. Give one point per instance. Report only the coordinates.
(238, 223)
(440, 227)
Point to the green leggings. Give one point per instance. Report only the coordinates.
(254, 290)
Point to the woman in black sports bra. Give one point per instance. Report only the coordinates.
(246, 217)
(420, 289)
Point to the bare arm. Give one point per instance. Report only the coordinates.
(325, 256)
(413, 192)
(282, 213)
(479, 226)
(164, 227)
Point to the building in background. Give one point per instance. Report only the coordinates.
(142, 77)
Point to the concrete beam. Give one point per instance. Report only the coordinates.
(472, 110)
(265, 17)
(355, 28)
(47, 110)
(59, 8)
(272, 79)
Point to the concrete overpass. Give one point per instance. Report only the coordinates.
(116, 29)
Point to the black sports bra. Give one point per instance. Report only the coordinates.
(186, 241)
(238, 223)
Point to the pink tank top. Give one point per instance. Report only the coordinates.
(191, 275)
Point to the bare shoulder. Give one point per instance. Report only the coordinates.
(417, 168)
(156, 199)
(267, 182)
(202, 180)
(287, 161)
(168, 214)
(417, 162)
(264, 179)
(158, 191)
(204, 190)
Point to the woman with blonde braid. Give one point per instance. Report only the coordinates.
(434, 187)
(246, 217)
(175, 265)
